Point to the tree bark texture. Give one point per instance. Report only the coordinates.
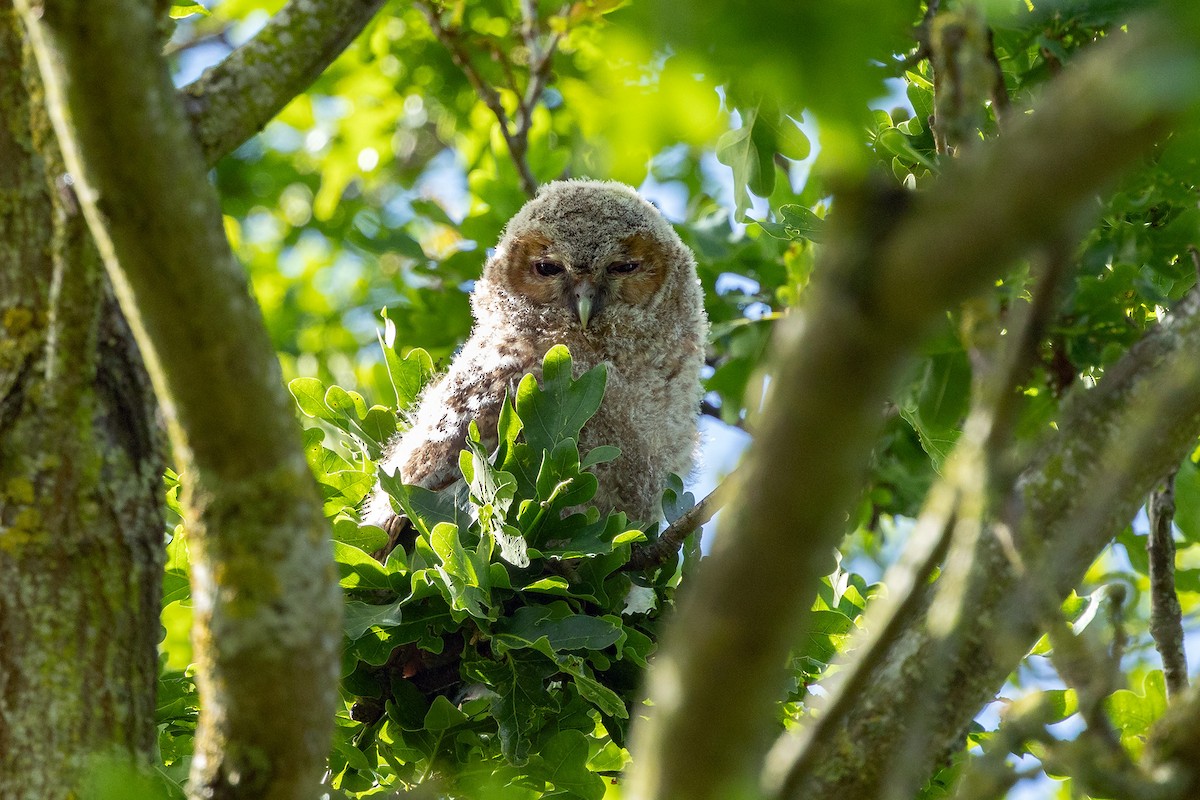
(81, 526)
(267, 606)
(233, 100)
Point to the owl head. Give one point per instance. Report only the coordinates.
(586, 259)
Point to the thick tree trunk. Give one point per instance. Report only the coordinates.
(268, 608)
(80, 475)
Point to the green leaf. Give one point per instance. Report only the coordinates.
(592, 690)
(564, 761)
(572, 538)
(827, 634)
(379, 425)
(675, 501)
(508, 426)
(409, 373)
(358, 617)
(560, 407)
(187, 9)
(753, 170)
(492, 492)
(364, 537)
(443, 715)
(521, 700)
(1132, 713)
(796, 223)
(464, 574)
(345, 489)
(358, 570)
(937, 406)
(310, 397)
(350, 405)
(559, 480)
(562, 629)
(176, 585)
(600, 455)
(425, 508)
(1187, 500)
(1061, 702)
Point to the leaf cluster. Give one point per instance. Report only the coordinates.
(505, 644)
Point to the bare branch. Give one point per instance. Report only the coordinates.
(1166, 617)
(515, 130)
(671, 539)
(235, 99)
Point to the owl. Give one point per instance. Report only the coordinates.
(593, 266)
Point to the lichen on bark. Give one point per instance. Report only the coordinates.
(80, 473)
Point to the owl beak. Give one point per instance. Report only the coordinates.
(586, 303)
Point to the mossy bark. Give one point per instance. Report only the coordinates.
(268, 608)
(80, 475)
(232, 101)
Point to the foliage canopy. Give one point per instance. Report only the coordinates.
(502, 654)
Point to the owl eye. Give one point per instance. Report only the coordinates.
(547, 269)
(623, 267)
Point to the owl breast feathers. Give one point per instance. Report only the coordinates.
(595, 267)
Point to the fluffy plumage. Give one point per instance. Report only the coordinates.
(594, 266)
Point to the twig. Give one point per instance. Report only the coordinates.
(921, 33)
(1084, 670)
(1166, 624)
(515, 130)
(670, 540)
(220, 37)
(1000, 100)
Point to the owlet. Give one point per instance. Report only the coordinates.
(595, 267)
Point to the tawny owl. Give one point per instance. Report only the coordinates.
(591, 265)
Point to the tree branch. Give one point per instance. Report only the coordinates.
(516, 130)
(834, 365)
(267, 604)
(235, 99)
(1113, 443)
(671, 539)
(1166, 617)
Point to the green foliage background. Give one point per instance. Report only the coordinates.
(385, 185)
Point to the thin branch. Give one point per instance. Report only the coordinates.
(1166, 616)
(220, 37)
(540, 60)
(671, 539)
(1001, 106)
(515, 130)
(235, 99)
